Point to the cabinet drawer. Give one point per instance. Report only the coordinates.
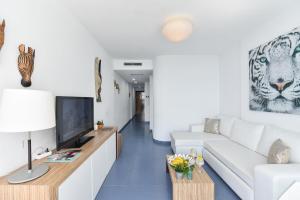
(78, 186)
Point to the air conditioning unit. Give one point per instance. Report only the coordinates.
(134, 64)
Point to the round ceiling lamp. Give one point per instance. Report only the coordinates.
(177, 29)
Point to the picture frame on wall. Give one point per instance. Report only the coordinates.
(274, 75)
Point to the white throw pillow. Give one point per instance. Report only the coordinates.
(226, 125)
(247, 134)
(290, 138)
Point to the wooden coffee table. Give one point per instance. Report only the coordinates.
(200, 187)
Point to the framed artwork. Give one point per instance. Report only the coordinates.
(274, 75)
(98, 79)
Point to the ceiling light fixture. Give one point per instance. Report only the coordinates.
(177, 29)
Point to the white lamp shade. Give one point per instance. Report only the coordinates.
(24, 110)
(177, 29)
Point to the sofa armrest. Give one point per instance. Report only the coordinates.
(197, 127)
(273, 180)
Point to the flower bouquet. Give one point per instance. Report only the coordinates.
(182, 164)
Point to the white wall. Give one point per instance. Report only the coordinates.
(230, 81)
(151, 103)
(64, 64)
(122, 102)
(147, 101)
(186, 89)
(133, 102)
(265, 32)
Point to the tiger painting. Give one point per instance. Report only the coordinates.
(274, 75)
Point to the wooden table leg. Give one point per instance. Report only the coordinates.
(167, 168)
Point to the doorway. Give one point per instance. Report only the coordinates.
(140, 104)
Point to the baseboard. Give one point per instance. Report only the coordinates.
(126, 125)
(167, 143)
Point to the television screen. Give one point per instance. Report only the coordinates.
(74, 118)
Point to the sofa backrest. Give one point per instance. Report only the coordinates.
(226, 124)
(246, 133)
(290, 138)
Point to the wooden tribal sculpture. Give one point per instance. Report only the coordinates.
(26, 64)
(2, 28)
(98, 79)
(117, 87)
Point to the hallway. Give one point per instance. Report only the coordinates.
(140, 174)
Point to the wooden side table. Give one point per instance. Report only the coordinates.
(201, 187)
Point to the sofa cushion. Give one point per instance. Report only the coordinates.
(279, 153)
(189, 138)
(236, 157)
(247, 133)
(212, 125)
(226, 125)
(289, 138)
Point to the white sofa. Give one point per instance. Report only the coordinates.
(239, 155)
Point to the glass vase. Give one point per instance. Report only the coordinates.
(179, 175)
(190, 174)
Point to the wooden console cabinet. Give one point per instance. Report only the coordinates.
(78, 180)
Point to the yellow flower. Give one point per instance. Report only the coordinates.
(200, 158)
(177, 161)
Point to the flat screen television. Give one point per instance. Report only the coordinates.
(74, 119)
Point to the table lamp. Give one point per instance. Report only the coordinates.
(23, 110)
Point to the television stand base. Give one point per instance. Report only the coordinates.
(81, 141)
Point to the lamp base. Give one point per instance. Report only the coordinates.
(24, 175)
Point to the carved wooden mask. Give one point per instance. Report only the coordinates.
(2, 29)
(26, 64)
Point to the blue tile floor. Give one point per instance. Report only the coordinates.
(140, 173)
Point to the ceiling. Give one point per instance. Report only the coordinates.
(132, 29)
